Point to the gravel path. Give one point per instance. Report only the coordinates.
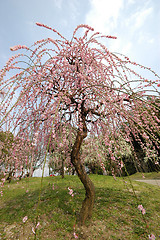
(151, 181)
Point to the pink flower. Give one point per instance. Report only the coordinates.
(151, 237)
(121, 164)
(25, 219)
(15, 48)
(39, 24)
(75, 235)
(61, 144)
(37, 225)
(33, 230)
(53, 186)
(3, 179)
(143, 211)
(70, 191)
(113, 158)
(36, 134)
(140, 207)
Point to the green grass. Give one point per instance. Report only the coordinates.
(151, 175)
(115, 214)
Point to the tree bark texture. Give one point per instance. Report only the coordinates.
(62, 168)
(88, 202)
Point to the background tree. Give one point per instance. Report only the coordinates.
(6, 141)
(82, 83)
(147, 156)
(98, 160)
(19, 156)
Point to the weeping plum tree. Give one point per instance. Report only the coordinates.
(79, 83)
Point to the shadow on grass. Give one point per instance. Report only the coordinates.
(114, 205)
(25, 204)
(50, 202)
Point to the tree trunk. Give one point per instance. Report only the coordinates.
(62, 169)
(88, 202)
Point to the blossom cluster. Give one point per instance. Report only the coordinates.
(140, 207)
(71, 192)
(17, 47)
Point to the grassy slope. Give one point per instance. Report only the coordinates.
(151, 175)
(115, 214)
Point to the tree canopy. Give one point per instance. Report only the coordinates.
(79, 83)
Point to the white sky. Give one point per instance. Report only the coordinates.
(136, 23)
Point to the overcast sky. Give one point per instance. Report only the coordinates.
(136, 23)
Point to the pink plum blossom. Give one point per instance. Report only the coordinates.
(70, 191)
(75, 235)
(25, 219)
(37, 225)
(152, 237)
(33, 230)
(143, 211)
(140, 207)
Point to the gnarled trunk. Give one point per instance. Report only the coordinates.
(88, 203)
(62, 168)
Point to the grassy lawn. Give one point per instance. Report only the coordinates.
(115, 215)
(151, 175)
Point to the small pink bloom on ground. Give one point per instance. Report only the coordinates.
(75, 235)
(140, 207)
(70, 191)
(151, 237)
(53, 186)
(37, 225)
(143, 211)
(33, 230)
(25, 219)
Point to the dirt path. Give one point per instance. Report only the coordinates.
(151, 181)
